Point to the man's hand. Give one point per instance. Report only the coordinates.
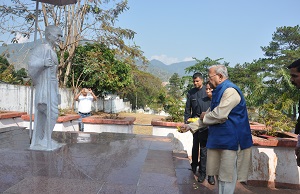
(297, 153)
(202, 115)
(183, 128)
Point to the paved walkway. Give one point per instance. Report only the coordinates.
(100, 163)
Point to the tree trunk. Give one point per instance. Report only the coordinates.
(67, 73)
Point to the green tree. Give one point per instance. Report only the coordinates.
(265, 82)
(145, 89)
(201, 66)
(3, 63)
(8, 73)
(282, 51)
(174, 87)
(175, 108)
(96, 66)
(249, 77)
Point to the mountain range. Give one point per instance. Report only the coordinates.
(163, 71)
(17, 54)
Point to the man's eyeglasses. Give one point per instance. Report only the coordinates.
(212, 76)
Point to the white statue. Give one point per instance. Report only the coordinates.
(42, 69)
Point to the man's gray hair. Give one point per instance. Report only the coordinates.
(220, 69)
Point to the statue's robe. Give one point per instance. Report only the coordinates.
(46, 98)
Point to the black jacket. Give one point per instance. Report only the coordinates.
(195, 104)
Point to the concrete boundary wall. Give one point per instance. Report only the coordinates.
(18, 97)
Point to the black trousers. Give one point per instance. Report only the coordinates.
(199, 140)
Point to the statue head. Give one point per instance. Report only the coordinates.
(53, 35)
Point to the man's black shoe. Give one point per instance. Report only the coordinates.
(201, 178)
(211, 180)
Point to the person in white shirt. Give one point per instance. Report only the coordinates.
(85, 98)
(295, 79)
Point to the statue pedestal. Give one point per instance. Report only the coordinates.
(53, 145)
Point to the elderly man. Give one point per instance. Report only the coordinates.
(42, 69)
(229, 136)
(295, 79)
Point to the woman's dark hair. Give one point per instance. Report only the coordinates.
(209, 83)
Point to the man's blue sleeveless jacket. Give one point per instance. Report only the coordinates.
(236, 130)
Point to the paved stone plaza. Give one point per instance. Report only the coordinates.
(93, 163)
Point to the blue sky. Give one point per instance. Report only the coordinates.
(173, 30)
(178, 30)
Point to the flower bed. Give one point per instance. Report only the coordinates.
(10, 118)
(284, 139)
(60, 119)
(11, 114)
(69, 122)
(63, 123)
(101, 124)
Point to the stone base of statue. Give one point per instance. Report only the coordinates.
(53, 145)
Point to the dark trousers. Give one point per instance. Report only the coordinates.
(199, 140)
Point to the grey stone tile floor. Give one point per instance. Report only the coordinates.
(99, 163)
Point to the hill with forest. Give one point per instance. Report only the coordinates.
(17, 54)
(163, 71)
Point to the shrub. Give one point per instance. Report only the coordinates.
(175, 109)
(274, 119)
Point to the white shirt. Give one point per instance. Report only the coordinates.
(85, 103)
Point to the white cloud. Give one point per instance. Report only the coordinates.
(188, 59)
(20, 38)
(169, 60)
(165, 59)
